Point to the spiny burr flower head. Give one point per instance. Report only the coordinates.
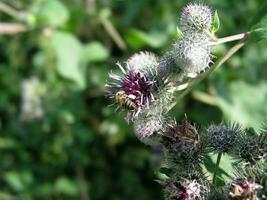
(177, 135)
(252, 148)
(221, 138)
(182, 145)
(243, 188)
(145, 63)
(188, 187)
(147, 127)
(192, 57)
(134, 89)
(196, 17)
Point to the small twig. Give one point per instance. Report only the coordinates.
(90, 6)
(216, 168)
(205, 98)
(9, 10)
(113, 33)
(11, 29)
(230, 38)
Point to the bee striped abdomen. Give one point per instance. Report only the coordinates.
(125, 101)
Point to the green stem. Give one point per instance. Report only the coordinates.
(216, 168)
(230, 38)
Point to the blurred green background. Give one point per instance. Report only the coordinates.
(59, 139)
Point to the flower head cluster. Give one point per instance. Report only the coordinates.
(191, 52)
(243, 188)
(135, 89)
(146, 89)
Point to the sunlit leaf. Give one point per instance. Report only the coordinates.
(138, 39)
(19, 181)
(69, 51)
(65, 186)
(179, 33)
(259, 31)
(51, 12)
(215, 23)
(94, 52)
(243, 103)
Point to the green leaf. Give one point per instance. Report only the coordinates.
(138, 39)
(215, 23)
(243, 103)
(65, 186)
(8, 143)
(94, 52)
(14, 181)
(69, 51)
(51, 12)
(259, 31)
(179, 33)
(19, 181)
(259, 15)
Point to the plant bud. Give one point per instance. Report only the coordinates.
(145, 63)
(196, 17)
(223, 139)
(147, 127)
(192, 57)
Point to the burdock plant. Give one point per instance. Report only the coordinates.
(150, 85)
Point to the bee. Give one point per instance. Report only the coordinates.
(125, 101)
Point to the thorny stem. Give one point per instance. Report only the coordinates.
(189, 85)
(216, 168)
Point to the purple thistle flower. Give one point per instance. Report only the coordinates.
(134, 89)
(137, 85)
(185, 189)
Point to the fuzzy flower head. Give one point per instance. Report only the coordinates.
(222, 138)
(145, 63)
(134, 89)
(243, 189)
(186, 188)
(196, 17)
(192, 57)
(147, 127)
